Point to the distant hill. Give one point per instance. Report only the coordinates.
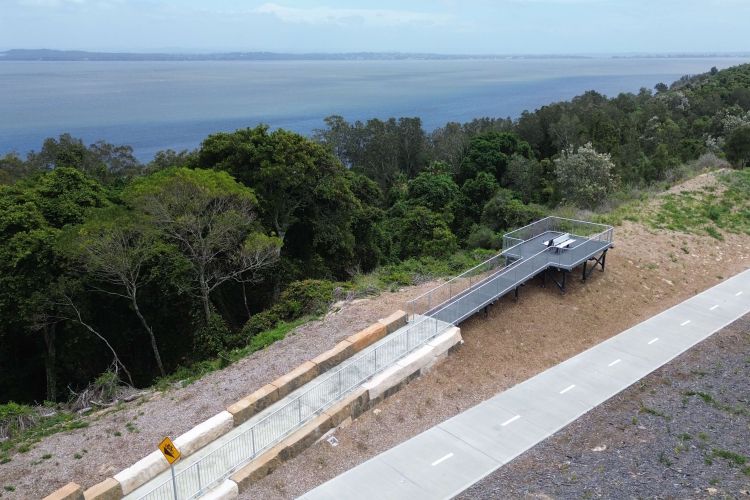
(80, 55)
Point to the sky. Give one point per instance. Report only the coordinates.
(434, 26)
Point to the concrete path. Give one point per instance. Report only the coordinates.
(450, 457)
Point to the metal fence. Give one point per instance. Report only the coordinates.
(461, 295)
(206, 472)
(583, 229)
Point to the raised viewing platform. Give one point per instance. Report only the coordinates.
(552, 244)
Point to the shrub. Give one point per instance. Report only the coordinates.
(15, 418)
(504, 211)
(300, 298)
(585, 176)
(484, 237)
(262, 321)
(213, 337)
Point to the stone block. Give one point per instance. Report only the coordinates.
(394, 321)
(368, 336)
(70, 491)
(257, 469)
(204, 433)
(301, 439)
(256, 402)
(350, 406)
(228, 490)
(296, 378)
(109, 489)
(334, 357)
(142, 471)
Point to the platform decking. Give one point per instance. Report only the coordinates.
(525, 257)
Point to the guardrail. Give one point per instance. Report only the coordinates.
(450, 293)
(206, 472)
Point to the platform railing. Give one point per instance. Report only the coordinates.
(207, 471)
(452, 290)
(453, 287)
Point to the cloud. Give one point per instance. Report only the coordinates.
(339, 16)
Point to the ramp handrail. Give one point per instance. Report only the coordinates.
(195, 479)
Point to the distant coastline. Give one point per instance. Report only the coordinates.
(81, 55)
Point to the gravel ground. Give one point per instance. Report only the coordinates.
(646, 273)
(681, 432)
(118, 439)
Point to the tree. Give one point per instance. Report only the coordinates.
(210, 218)
(31, 217)
(417, 231)
(737, 147)
(304, 194)
(114, 247)
(490, 153)
(584, 176)
(436, 192)
(477, 192)
(505, 212)
(526, 176)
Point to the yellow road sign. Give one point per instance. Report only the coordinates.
(170, 451)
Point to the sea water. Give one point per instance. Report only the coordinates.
(159, 105)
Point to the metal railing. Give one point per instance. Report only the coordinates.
(580, 228)
(453, 300)
(206, 472)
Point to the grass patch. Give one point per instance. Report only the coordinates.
(651, 411)
(190, 373)
(709, 400)
(706, 211)
(22, 439)
(730, 456)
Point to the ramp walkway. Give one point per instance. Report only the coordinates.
(552, 243)
(450, 457)
(196, 474)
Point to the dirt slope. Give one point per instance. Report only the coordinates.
(646, 273)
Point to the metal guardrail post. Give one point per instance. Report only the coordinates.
(198, 467)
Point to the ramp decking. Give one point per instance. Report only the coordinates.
(524, 256)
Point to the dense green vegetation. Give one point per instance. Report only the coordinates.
(178, 267)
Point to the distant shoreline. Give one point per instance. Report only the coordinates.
(79, 55)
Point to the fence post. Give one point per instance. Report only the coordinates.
(198, 467)
(299, 408)
(252, 434)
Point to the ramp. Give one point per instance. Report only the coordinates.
(527, 252)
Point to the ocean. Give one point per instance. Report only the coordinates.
(159, 105)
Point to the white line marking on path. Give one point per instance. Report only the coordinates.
(510, 420)
(738, 293)
(613, 363)
(441, 460)
(714, 307)
(685, 323)
(656, 339)
(569, 388)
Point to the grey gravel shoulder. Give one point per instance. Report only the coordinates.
(681, 432)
